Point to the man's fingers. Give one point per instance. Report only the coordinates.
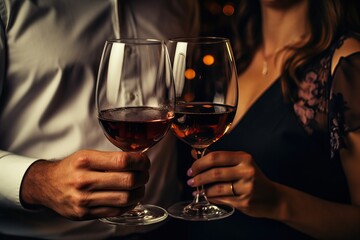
(82, 203)
(94, 181)
(112, 198)
(111, 161)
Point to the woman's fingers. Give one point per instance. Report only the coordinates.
(223, 174)
(229, 189)
(232, 178)
(227, 176)
(218, 159)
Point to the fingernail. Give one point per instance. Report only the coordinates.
(189, 172)
(190, 182)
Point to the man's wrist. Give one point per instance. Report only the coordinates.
(30, 190)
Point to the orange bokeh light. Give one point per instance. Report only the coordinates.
(228, 9)
(208, 60)
(188, 97)
(190, 74)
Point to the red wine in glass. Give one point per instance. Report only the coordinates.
(201, 124)
(135, 129)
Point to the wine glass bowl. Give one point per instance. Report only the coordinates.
(135, 99)
(135, 129)
(206, 101)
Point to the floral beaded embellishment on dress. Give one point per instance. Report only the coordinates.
(338, 127)
(311, 106)
(319, 109)
(310, 102)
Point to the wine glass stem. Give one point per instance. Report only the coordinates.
(200, 197)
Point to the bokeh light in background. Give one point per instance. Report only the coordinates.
(228, 9)
(190, 74)
(208, 60)
(218, 17)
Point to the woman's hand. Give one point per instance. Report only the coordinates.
(87, 184)
(232, 178)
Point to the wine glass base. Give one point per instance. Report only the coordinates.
(152, 214)
(210, 212)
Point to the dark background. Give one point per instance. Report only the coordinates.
(217, 17)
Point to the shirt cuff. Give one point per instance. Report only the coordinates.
(12, 170)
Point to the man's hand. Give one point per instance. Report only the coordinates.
(87, 184)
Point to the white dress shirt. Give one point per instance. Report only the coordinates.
(49, 56)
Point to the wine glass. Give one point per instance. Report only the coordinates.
(206, 102)
(135, 99)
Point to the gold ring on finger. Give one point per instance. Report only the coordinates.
(233, 189)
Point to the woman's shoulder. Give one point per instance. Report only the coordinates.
(348, 46)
